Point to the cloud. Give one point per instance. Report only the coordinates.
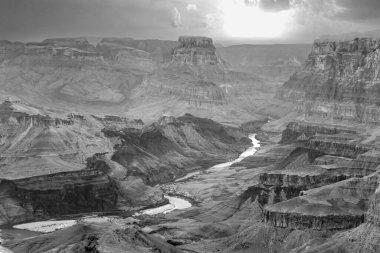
(213, 21)
(191, 7)
(308, 19)
(359, 10)
(312, 19)
(176, 18)
(269, 5)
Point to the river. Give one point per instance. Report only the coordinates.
(175, 203)
(249, 152)
(178, 203)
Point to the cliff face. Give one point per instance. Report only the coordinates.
(104, 187)
(195, 50)
(333, 177)
(339, 80)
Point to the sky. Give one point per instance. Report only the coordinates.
(294, 21)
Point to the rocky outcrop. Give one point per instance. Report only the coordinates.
(362, 239)
(336, 206)
(299, 172)
(332, 171)
(12, 112)
(302, 131)
(338, 148)
(103, 187)
(330, 140)
(195, 51)
(340, 80)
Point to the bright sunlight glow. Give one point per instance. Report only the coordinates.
(245, 21)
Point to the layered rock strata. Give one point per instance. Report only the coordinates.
(336, 206)
(340, 80)
(98, 189)
(335, 185)
(195, 50)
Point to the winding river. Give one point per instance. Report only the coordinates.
(178, 203)
(249, 152)
(175, 203)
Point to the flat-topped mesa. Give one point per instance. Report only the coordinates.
(361, 45)
(79, 43)
(15, 112)
(195, 50)
(339, 80)
(195, 41)
(74, 48)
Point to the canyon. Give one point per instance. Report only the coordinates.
(164, 146)
(142, 79)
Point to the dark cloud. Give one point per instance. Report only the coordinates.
(359, 9)
(270, 5)
(38, 19)
(28, 20)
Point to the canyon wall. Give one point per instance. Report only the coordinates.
(340, 80)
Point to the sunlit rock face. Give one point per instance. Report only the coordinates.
(197, 56)
(339, 80)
